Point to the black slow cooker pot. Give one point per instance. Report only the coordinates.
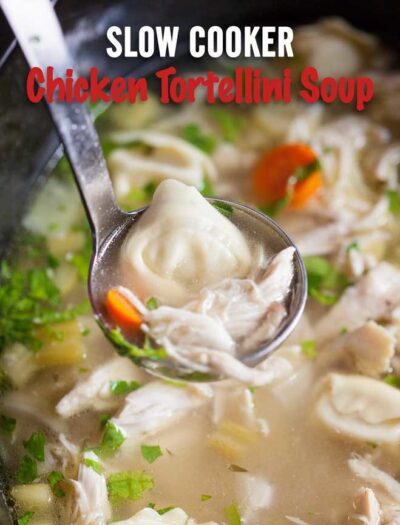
(27, 138)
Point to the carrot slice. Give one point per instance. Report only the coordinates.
(122, 311)
(279, 166)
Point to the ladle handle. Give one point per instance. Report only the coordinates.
(40, 37)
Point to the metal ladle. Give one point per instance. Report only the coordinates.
(40, 37)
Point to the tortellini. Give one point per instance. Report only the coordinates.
(164, 157)
(359, 407)
(180, 245)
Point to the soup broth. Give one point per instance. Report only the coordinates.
(88, 438)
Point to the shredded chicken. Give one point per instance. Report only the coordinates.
(91, 506)
(368, 349)
(94, 392)
(362, 468)
(203, 334)
(158, 405)
(367, 510)
(372, 297)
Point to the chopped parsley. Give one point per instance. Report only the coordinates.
(133, 351)
(129, 485)
(205, 497)
(151, 452)
(27, 470)
(25, 518)
(122, 387)
(111, 441)
(204, 141)
(54, 479)
(7, 424)
(392, 380)
(300, 174)
(81, 260)
(223, 207)
(303, 172)
(394, 201)
(208, 188)
(28, 299)
(325, 282)
(228, 123)
(232, 515)
(354, 245)
(35, 445)
(236, 468)
(152, 303)
(164, 510)
(103, 418)
(275, 207)
(308, 348)
(91, 463)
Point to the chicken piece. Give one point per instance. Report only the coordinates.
(241, 304)
(158, 405)
(360, 408)
(370, 348)
(149, 516)
(370, 474)
(94, 392)
(91, 506)
(254, 493)
(367, 510)
(204, 334)
(372, 297)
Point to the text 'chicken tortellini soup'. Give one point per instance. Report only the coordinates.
(310, 436)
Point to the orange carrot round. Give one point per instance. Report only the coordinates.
(122, 311)
(279, 166)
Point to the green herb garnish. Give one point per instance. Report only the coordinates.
(205, 497)
(228, 123)
(29, 299)
(103, 418)
(54, 479)
(7, 424)
(94, 465)
(111, 441)
(152, 303)
(236, 468)
(208, 188)
(354, 245)
(308, 348)
(223, 207)
(394, 201)
(151, 452)
(133, 351)
(128, 485)
(27, 470)
(121, 388)
(193, 134)
(274, 208)
(303, 172)
(35, 445)
(325, 282)
(164, 510)
(392, 380)
(25, 518)
(232, 515)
